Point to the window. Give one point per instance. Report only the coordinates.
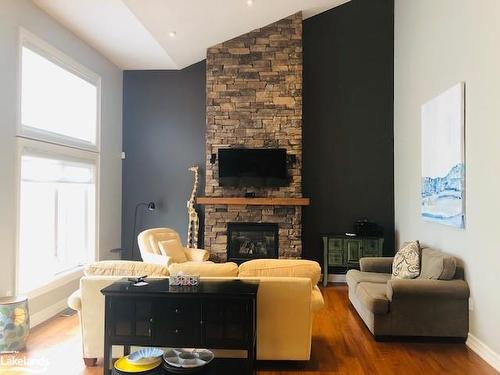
(58, 216)
(58, 160)
(59, 98)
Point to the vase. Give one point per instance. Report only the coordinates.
(14, 324)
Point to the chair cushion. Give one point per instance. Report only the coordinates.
(125, 268)
(354, 277)
(437, 265)
(373, 296)
(406, 264)
(205, 269)
(174, 250)
(282, 268)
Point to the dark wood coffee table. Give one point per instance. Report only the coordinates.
(213, 315)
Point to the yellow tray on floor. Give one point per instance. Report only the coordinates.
(123, 365)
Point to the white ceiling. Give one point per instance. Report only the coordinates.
(134, 34)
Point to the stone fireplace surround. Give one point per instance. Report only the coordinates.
(254, 99)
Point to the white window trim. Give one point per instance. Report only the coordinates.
(59, 58)
(57, 150)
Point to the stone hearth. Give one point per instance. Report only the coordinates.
(254, 99)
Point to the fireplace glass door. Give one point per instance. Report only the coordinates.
(252, 241)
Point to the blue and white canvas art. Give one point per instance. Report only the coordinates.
(443, 167)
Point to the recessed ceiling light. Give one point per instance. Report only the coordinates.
(172, 34)
(250, 2)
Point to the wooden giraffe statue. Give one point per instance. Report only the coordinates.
(193, 220)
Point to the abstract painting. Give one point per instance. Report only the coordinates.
(443, 167)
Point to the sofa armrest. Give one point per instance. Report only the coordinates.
(423, 288)
(196, 255)
(75, 300)
(379, 264)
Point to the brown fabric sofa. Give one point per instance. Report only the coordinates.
(415, 307)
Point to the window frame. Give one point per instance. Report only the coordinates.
(57, 144)
(44, 49)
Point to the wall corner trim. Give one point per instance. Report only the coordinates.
(484, 351)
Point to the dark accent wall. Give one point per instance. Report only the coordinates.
(163, 135)
(348, 120)
(347, 129)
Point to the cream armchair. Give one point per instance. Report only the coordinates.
(149, 245)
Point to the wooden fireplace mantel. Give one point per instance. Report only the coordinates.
(253, 201)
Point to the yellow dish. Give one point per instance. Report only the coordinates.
(123, 365)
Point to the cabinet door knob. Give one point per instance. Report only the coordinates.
(151, 320)
(177, 310)
(176, 331)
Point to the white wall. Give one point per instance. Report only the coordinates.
(22, 13)
(437, 44)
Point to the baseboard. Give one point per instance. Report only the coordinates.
(484, 351)
(47, 313)
(335, 278)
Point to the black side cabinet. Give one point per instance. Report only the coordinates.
(214, 315)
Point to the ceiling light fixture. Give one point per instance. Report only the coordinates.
(250, 2)
(172, 34)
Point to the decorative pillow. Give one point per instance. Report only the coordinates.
(437, 265)
(281, 268)
(124, 268)
(174, 250)
(406, 264)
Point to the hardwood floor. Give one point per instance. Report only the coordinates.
(341, 345)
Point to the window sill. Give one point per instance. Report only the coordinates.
(57, 282)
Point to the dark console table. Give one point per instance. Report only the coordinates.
(214, 315)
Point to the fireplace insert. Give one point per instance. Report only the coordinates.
(247, 241)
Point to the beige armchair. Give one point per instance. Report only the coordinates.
(149, 245)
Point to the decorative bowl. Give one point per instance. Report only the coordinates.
(125, 366)
(145, 356)
(187, 358)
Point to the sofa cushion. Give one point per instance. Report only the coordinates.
(406, 264)
(373, 296)
(125, 268)
(354, 277)
(283, 268)
(205, 269)
(437, 265)
(174, 250)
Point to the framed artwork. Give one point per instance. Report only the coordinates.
(443, 154)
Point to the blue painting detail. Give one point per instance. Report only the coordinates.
(443, 197)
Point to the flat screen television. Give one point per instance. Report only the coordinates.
(252, 167)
